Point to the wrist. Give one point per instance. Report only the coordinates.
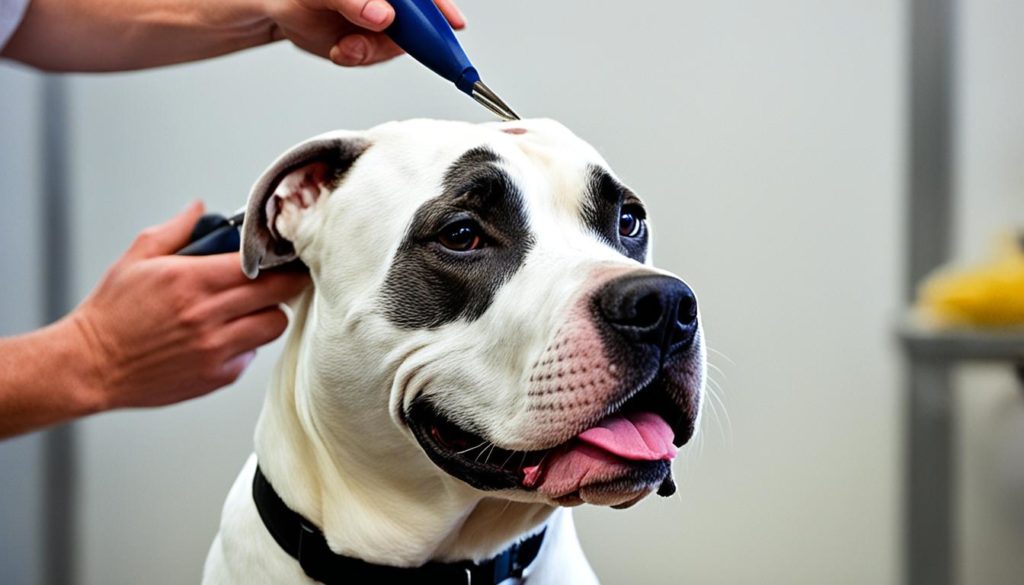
(241, 23)
(83, 364)
(46, 378)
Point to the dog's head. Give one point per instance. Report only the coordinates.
(484, 297)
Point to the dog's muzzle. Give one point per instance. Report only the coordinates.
(612, 398)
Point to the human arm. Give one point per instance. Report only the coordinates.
(118, 35)
(158, 329)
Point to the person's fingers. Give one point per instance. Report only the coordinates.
(230, 370)
(452, 13)
(363, 49)
(375, 15)
(253, 330)
(269, 290)
(168, 237)
(213, 273)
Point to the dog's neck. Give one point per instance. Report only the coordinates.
(373, 497)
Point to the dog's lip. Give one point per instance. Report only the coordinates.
(471, 445)
(627, 487)
(464, 454)
(483, 464)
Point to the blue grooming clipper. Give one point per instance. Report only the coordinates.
(422, 31)
(214, 234)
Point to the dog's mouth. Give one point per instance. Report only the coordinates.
(616, 460)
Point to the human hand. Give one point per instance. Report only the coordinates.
(160, 329)
(121, 35)
(348, 32)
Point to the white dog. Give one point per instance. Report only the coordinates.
(485, 343)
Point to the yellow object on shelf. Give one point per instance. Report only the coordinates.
(989, 295)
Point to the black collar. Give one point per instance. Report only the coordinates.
(305, 543)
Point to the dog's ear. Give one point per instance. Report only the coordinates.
(287, 191)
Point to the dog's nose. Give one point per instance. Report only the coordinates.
(651, 309)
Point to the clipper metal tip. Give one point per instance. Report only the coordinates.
(492, 102)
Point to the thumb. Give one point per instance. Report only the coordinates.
(374, 15)
(168, 237)
(377, 15)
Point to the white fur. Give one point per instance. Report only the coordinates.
(330, 438)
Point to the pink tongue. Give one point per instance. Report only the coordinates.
(639, 436)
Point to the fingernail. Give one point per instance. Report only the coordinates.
(376, 12)
(351, 52)
(459, 17)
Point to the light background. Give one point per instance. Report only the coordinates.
(768, 139)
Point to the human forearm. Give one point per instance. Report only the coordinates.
(110, 35)
(116, 35)
(45, 378)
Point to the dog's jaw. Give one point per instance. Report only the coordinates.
(332, 475)
(569, 381)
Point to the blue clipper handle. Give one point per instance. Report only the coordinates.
(216, 234)
(421, 29)
(212, 234)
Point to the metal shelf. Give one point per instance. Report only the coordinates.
(929, 342)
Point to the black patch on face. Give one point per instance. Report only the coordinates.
(602, 208)
(429, 285)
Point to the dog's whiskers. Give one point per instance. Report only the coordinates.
(509, 458)
(698, 438)
(490, 445)
(542, 458)
(717, 369)
(505, 507)
(713, 407)
(477, 446)
(720, 354)
(491, 452)
(713, 392)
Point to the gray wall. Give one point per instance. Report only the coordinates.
(21, 309)
(767, 139)
(990, 183)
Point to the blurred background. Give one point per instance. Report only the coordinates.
(771, 141)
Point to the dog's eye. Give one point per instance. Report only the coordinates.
(631, 221)
(461, 236)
